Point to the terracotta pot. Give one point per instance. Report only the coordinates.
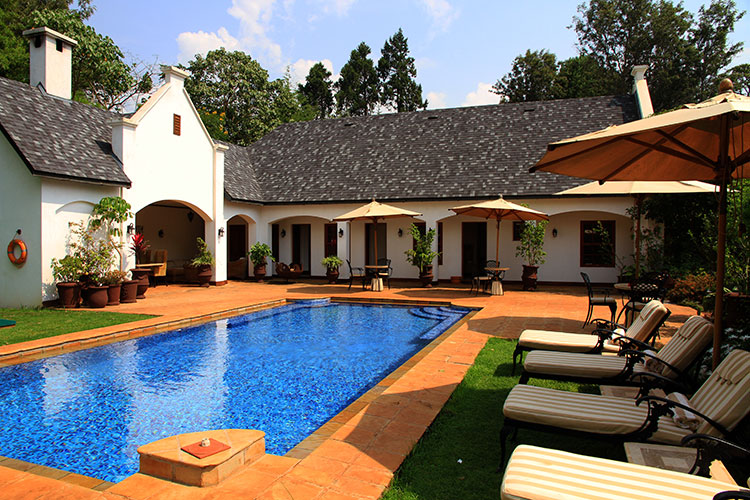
(129, 289)
(528, 278)
(204, 276)
(332, 275)
(426, 277)
(259, 271)
(69, 293)
(98, 296)
(113, 294)
(141, 275)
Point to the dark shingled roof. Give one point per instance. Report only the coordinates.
(460, 153)
(59, 138)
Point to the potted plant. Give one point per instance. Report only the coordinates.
(258, 254)
(531, 250)
(139, 245)
(113, 279)
(332, 263)
(204, 261)
(95, 255)
(128, 289)
(66, 273)
(422, 254)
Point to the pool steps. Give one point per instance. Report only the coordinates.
(445, 315)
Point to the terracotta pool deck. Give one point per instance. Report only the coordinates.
(355, 454)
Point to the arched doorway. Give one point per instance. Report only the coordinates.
(240, 230)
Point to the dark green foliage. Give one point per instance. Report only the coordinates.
(357, 89)
(396, 71)
(691, 289)
(317, 90)
(740, 76)
(235, 84)
(468, 428)
(581, 76)
(532, 78)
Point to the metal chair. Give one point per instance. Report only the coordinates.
(385, 274)
(598, 297)
(356, 273)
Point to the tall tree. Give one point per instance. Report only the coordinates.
(357, 89)
(396, 71)
(533, 77)
(317, 90)
(581, 76)
(740, 76)
(235, 84)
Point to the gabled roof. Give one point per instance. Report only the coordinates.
(59, 138)
(460, 153)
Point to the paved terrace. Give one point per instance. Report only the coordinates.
(355, 454)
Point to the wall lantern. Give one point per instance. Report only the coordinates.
(221, 232)
(283, 233)
(341, 232)
(400, 232)
(554, 233)
(131, 229)
(161, 233)
(190, 215)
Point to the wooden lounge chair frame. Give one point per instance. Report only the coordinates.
(290, 272)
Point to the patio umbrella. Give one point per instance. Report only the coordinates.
(637, 189)
(709, 141)
(375, 211)
(499, 209)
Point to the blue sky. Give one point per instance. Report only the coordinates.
(461, 47)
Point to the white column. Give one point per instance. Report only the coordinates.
(216, 243)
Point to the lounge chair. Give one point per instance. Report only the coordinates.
(598, 297)
(160, 257)
(356, 273)
(667, 365)
(643, 329)
(535, 473)
(290, 272)
(720, 403)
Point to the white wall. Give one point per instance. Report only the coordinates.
(20, 197)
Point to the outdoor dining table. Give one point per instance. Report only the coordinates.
(636, 294)
(496, 287)
(377, 281)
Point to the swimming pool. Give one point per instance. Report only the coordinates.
(284, 371)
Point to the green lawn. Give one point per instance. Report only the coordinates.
(32, 324)
(458, 455)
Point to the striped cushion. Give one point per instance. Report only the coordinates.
(725, 396)
(686, 344)
(573, 364)
(551, 340)
(535, 473)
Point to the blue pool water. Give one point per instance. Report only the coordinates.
(285, 371)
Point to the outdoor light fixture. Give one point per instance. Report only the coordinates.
(161, 233)
(131, 228)
(283, 233)
(554, 233)
(341, 232)
(400, 232)
(221, 232)
(190, 215)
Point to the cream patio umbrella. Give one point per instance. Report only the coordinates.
(709, 141)
(637, 189)
(499, 209)
(375, 211)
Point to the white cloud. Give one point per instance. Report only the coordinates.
(436, 100)
(441, 12)
(299, 69)
(338, 7)
(255, 22)
(481, 96)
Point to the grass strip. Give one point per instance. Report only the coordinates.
(33, 324)
(459, 454)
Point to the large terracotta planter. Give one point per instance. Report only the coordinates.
(426, 277)
(128, 291)
(528, 278)
(113, 294)
(69, 293)
(332, 275)
(141, 275)
(204, 276)
(98, 296)
(259, 271)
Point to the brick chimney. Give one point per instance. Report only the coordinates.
(50, 60)
(640, 91)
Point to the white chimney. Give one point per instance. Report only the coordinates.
(640, 90)
(50, 60)
(174, 75)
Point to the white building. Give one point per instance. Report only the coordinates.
(59, 157)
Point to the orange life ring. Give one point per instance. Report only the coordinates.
(12, 252)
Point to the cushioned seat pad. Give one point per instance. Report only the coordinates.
(575, 364)
(542, 474)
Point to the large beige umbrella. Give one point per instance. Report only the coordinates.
(375, 211)
(500, 209)
(637, 189)
(709, 141)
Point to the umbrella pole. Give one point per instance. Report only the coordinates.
(375, 238)
(721, 242)
(638, 200)
(497, 244)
